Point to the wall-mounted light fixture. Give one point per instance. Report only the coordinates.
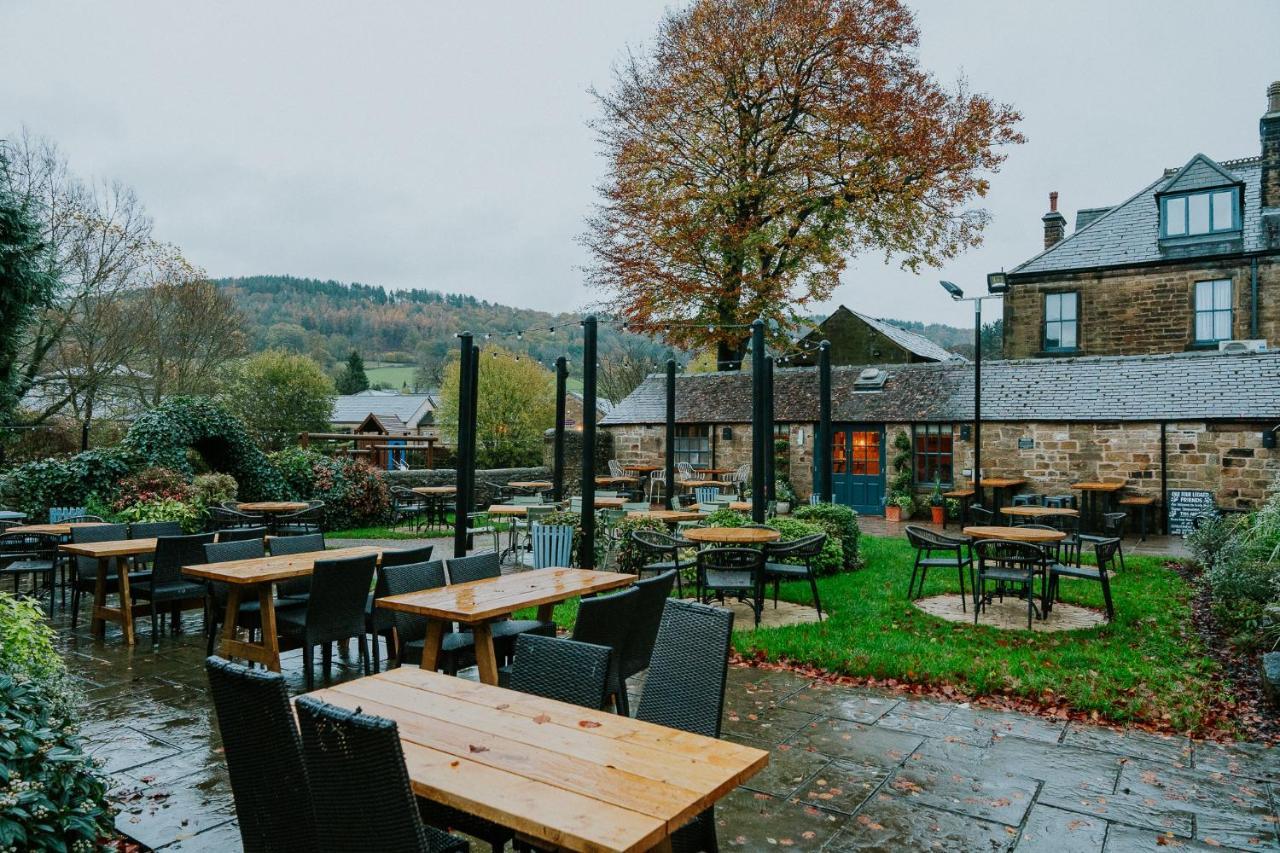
(727, 433)
(1269, 437)
(966, 432)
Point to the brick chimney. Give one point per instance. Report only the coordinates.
(1269, 130)
(1055, 224)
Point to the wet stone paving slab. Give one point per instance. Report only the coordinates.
(850, 768)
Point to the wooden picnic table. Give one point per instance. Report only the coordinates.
(1015, 534)
(104, 552)
(563, 776)
(642, 469)
(435, 490)
(732, 535)
(670, 516)
(608, 480)
(55, 529)
(272, 506)
(693, 484)
(256, 576)
(1041, 511)
(530, 484)
(740, 506)
(479, 603)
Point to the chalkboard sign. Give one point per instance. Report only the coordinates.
(1184, 506)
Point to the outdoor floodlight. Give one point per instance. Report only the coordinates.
(953, 289)
(997, 282)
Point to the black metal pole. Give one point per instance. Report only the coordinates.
(464, 431)
(557, 471)
(770, 462)
(977, 401)
(587, 558)
(823, 451)
(758, 496)
(670, 440)
(475, 420)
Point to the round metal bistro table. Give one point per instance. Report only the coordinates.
(1040, 512)
(1015, 534)
(731, 535)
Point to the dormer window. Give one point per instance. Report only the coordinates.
(1193, 214)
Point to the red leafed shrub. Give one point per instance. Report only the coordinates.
(152, 484)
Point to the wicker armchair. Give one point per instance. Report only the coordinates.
(85, 569)
(303, 522)
(638, 648)
(377, 623)
(803, 552)
(379, 811)
(487, 565)
(736, 571)
(458, 647)
(665, 551)
(334, 612)
(298, 589)
(264, 758)
(165, 584)
(242, 534)
(607, 620)
(685, 689)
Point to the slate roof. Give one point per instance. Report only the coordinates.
(1128, 233)
(910, 341)
(411, 409)
(1180, 386)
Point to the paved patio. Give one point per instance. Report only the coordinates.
(851, 769)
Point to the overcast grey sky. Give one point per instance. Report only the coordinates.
(445, 145)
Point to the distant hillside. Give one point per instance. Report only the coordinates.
(329, 319)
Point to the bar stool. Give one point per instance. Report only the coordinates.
(1029, 499)
(1060, 501)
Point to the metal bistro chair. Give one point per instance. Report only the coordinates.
(458, 648)
(607, 620)
(264, 758)
(802, 551)
(1113, 524)
(28, 554)
(657, 486)
(980, 515)
(737, 571)
(706, 494)
(1010, 564)
(1105, 551)
(381, 812)
(937, 551)
(377, 623)
(1028, 499)
(303, 522)
(552, 545)
(685, 689)
(334, 612)
(227, 517)
(166, 585)
(407, 505)
(85, 569)
(665, 549)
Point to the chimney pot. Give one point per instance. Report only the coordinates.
(1053, 201)
(1273, 97)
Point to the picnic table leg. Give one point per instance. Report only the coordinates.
(486, 658)
(270, 641)
(126, 600)
(431, 647)
(545, 612)
(97, 626)
(663, 846)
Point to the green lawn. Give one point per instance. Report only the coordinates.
(395, 375)
(1148, 665)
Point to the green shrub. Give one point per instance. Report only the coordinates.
(186, 513)
(36, 486)
(213, 489)
(1216, 539)
(829, 561)
(150, 485)
(631, 557)
(841, 523)
(52, 796)
(725, 518)
(354, 494)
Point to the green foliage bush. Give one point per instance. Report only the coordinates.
(151, 485)
(52, 796)
(631, 557)
(831, 559)
(36, 486)
(213, 489)
(725, 518)
(187, 513)
(1240, 555)
(354, 494)
(841, 523)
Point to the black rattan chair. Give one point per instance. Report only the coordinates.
(1009, 564)
(980, 515)
(607, 620)
(458, 647)
(803, 552)
(662, 554)
(250, 617)
(937, 551)
(736, 571)
(564, 670)
(334, 612)
(166, 585)
(638, 648)
(154, 529)
(242, 534)
(304, 522)
(227, 517)
(264, 758)
(488, 565)
(360, 789)
(685, 689)
(1106, 552)
(297, 589)
(377, 623)
(85, 574)
(27, 554)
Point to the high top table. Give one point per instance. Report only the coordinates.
(104, 552)
(480, 603)
(998, 486)
(1091, 494)
(255, 577)
(732, 535)
(559, 775)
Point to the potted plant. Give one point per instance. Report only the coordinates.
(937, 504)
(786, 495)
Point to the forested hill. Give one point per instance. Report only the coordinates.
(329, 319)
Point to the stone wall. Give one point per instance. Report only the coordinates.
(573, 456)
(1140, 311)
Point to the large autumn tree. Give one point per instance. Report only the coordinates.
(761, 143)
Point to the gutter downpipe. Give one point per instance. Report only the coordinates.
(1253, 298)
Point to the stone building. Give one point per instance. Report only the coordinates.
(859, 339)
(1190, 261)
(1195, 420)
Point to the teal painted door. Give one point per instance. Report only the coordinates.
(857, 467)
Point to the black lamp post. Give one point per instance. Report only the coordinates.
(562, 375)
(996, 286)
